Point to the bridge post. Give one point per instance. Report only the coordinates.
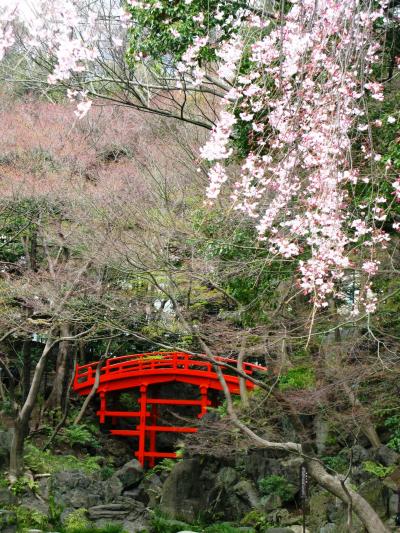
(153, 433)
(103, 407)
(204, 401)
(142, 423)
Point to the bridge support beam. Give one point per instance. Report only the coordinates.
(142, 423)
(103, 407)
(153, 435)
(204, 401)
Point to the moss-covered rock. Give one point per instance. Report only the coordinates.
(320, 502)
(377, 495)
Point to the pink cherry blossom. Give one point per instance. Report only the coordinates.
(217, 147)
(297, 194)
(371, 267)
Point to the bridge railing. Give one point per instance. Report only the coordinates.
(152, 362)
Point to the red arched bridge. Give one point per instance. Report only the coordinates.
(139, 371)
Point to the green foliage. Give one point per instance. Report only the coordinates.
(6, 406)
(301, 377)
(29, 518)
(377, 469)
(222, 408)
(77, 521)
(385, 142)
(128, 402)
(185, 342)
(165, 465)
(107, 528)
(152, 35)
(277, 485)
(240, 265)
(41, 462)
(79, 435)
(338, 463)
(107, 471)
(24, 484)
(7, 520)
(161, 524)
(222, 528)
(393, 423)
(331, 440)
(55, 511)
(256, 519)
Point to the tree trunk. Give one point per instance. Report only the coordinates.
(56, 396)
(65, 406)
(22, 419)
(367, 426)
(284, 360)
(361, 507)
(17, 450)
(27, 366)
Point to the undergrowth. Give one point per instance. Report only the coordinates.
(45, 462)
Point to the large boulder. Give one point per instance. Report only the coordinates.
(119, 449)
(393, 480)
(136, 525)
(130, 514)
(227, 477)
(386, 456)
(76, 489)
(320, 504)
(112, 489)
(138, 519)
(44, 486)
(130, 474)
(33, 504)
(377, 495)
(393, 503)
(230, 496)
(110, 511)
(360, 454)
(6, 496)
(200, 486)
(149, 491)
(247, 492)
(328, 528)
(183, 495)
(258, 463)
(290, 469)
(271, 502)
